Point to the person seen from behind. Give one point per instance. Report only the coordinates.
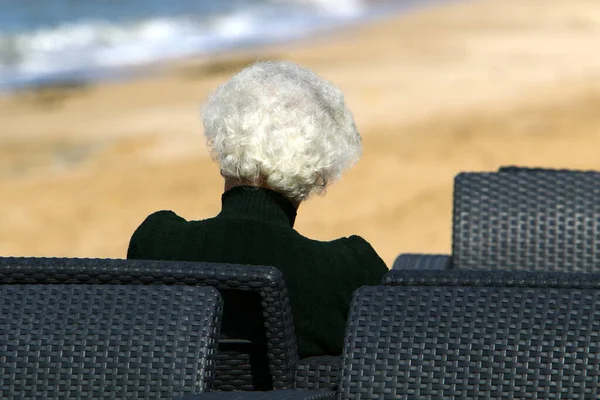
(280, 134)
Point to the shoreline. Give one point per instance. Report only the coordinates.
(145, 70)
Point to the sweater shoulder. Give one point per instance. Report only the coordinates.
(161, 217)
(157, 222)
(153, 230)
(355, 243)
(369, 267)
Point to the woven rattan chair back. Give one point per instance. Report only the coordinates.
(106, 341)
(257, 345)
(527, 219)
(474, 335)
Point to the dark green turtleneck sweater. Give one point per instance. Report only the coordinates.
(255, 227)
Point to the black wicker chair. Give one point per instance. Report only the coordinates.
(527, 219)
(468, 335)
(257, 352)
(521, 218)
(105, 341)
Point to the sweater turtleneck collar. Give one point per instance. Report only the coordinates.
(259, 203)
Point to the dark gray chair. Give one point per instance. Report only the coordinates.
(521, 218)
(468, 335)
(257, 346)
(527, 219)
(106, 341)
(483, 334)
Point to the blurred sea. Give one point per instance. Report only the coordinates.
(45, 41)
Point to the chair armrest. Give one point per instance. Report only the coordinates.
(318, 373)
(423, 261)
(284, 394)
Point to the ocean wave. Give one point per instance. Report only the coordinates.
(94, 47)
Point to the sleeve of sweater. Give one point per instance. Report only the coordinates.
(148, 240)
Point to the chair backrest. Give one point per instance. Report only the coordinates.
(527, 219)
(257, 345)
(474, 335)
(520, 169)
(106, 341)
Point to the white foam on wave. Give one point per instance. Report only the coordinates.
(334, 7)
(86, 48)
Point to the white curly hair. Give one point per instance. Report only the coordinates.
(279, 125)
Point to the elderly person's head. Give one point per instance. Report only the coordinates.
(282, 127)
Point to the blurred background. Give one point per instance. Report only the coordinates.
(99, 108)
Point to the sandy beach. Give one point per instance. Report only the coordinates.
(460, 86)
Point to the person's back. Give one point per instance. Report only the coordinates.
(270, 166)
(255, 227)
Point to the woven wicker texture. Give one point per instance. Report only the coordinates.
(527, 220)
(107, 341)
(318, 373)
(272, 395)
(561, 280)
(436, 336)
(423, 261)
(520, 169)
(257, 352)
